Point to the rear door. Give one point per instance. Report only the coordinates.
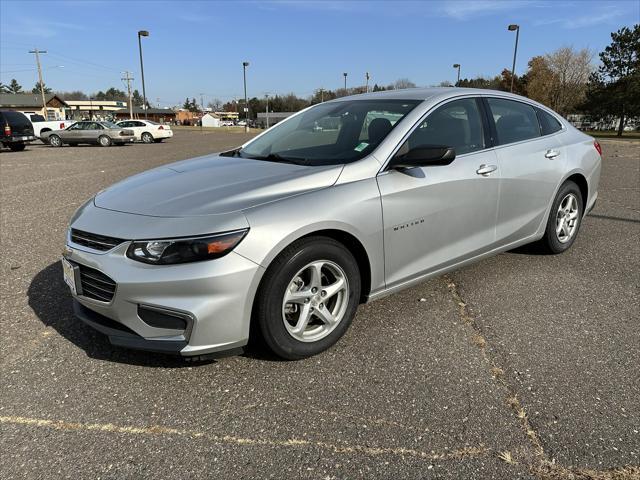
(531, 165)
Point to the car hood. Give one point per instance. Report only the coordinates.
(212, 185)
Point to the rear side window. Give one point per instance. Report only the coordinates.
(514, 121)
(548, 123)
(456, 124)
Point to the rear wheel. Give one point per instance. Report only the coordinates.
(17, 147)
(564, 219)
(308, 298)
(104, 141)
(55, 141)
(146, 137)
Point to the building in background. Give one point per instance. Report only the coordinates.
(210, 120)
(93, 109)
(32, 103)
(274, 117)
(160, 115)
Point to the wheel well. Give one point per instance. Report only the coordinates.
(357, 250)
(45, 130)
(579, 180)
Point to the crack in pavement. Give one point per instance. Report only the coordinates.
(539, 464)
(159, 430)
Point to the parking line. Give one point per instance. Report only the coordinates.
(158, 430)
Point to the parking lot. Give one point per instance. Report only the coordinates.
(521, 366)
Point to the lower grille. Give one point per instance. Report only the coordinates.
(96, 285)
(92, 240)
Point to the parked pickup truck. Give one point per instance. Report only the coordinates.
(15, 130)
(40, 125)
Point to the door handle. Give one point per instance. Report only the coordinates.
(551, 154)
(486, 170)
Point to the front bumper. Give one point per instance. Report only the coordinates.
(214, 296)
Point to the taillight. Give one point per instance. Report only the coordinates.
(7, 130)
(61, 125)
(160, 127)
(598, 147)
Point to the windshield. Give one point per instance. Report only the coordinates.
(109, 125)
(330, 133)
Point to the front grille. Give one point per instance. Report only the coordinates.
(92, 240)
(96, 285)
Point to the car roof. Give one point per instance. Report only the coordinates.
(426, 93)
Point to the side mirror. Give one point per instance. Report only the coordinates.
(424, 156)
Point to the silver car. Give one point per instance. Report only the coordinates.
(283, 237)
(104, 134)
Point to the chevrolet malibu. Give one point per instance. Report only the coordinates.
(340, 204)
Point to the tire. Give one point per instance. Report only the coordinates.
(292, 273)
(17, 147)
(146, 137)
(104, 141)
(564, 220)
(55, 141)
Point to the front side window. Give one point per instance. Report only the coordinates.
(331, 133)
(456, 124)
(514, 121)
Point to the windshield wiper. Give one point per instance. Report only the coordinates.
(276, 157)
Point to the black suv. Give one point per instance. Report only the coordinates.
(15, 130)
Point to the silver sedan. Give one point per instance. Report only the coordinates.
(343, 203)
(104, 134)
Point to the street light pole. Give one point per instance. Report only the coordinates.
(457, 65)
(246, 103)
(266, 96)
(511, 28)
(345, 82)
(366, 76)
(143, 33)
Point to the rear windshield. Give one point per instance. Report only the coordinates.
(16, 118)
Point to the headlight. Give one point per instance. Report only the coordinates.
(183, 250)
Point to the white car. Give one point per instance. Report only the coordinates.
(147, 131)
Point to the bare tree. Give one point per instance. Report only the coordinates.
(571, 70)
(402, 83)
(215, 105)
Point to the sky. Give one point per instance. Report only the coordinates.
(197, 47)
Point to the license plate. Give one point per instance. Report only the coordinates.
(23, 138)
(69, 274)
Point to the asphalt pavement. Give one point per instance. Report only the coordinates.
(521, 366)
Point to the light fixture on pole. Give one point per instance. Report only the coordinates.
(142, 33)
(246, 104)
(511, 28)
(457, 65)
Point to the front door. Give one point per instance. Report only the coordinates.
(437, 216)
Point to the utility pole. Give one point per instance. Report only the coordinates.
(128, 78)
(44, 101)
(345, 82)
(201, 109)
(366, 76)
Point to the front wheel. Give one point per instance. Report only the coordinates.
(564, 219)
(308, 297)
(55, 141)
(104, 141)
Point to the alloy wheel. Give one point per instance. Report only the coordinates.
(567, 218)
(315, 301)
